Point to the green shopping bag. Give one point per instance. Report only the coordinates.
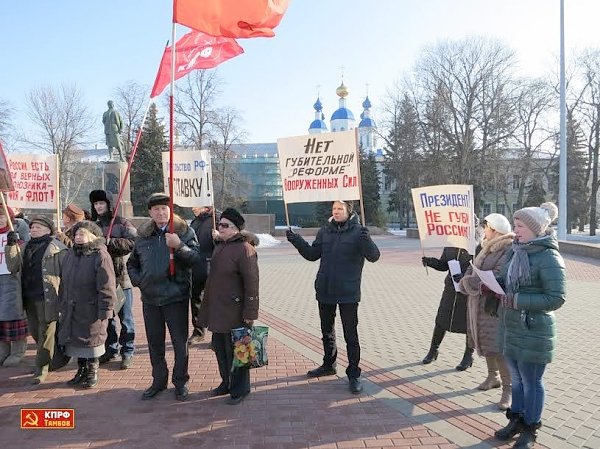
(249, 347)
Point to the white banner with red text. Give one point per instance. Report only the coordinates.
(319, 167)
(35, 180)
(445, 216)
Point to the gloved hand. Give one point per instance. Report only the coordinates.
(427, 261)
(290, 235)
(12, 238)
(457, 277)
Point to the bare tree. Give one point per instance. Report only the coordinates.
(130, 99)
(63, 124)
(227, 132)
(195, 105)
(464, 94)
(6, 114)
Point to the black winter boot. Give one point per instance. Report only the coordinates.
(91, 377)
(514, 427)
(467, 360)
(528, 436)
(436, 340)
(81, 373)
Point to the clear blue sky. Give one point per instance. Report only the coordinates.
(101, 44)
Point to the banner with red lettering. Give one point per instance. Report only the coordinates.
(35, 181)
(445, 216)
(319, 167)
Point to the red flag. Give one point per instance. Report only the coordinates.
(6, 184)
(194, 51)
(231, 18)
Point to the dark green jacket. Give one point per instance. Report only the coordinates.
(528, 332)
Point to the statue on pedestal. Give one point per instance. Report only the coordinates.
(113, 125)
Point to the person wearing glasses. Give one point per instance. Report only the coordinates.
(165, 295)
(231, 299)
(342, 245)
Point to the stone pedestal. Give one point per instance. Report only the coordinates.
(114, 171)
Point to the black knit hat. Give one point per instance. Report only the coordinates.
(158, 199)
(234, 216)
(43, 221)
(92, 227)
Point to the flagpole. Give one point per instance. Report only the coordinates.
(57, 190)
(126, 177)
(171, 140)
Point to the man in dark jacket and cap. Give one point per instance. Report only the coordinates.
(119, 245)
(165, 294)
(202, 225)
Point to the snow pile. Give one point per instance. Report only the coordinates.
(267, 241)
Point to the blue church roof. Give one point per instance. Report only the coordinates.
(318, 124)
(342, 114)
(367, 123)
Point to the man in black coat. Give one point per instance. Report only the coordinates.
(165, 295)
(202, 225)
(342, 245)
(120, 244)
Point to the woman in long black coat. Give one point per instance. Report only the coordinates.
(452, 311)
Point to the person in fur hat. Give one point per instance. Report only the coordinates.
(482, 310)
(231, 299)
(38, 263)
(88, 295)
(342, 245)
(119, 245)
(535, 285)
(13, 322)
(165, 296)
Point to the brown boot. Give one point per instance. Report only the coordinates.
(506, 398)
(493, 378)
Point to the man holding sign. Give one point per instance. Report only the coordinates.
(342, 245)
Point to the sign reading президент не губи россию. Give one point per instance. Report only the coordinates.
(192, 178)
(35, 181)
(319, 167)
(445, 216)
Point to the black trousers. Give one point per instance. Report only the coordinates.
(349, 315)
(175, 316)
(195, 302)
(238, 382)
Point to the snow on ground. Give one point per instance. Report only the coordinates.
(267, 241)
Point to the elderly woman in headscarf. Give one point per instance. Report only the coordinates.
(535, 286)
(87, 296)
(482, 309)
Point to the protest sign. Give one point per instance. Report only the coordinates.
(192, 178)
(445, 216)
(35, 181)
(319, 167)
(3, 268)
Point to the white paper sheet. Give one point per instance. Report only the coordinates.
(489, 279)
(454, 266)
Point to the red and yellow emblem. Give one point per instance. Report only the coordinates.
(47, 418)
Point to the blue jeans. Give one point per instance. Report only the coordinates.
(125, 341)
(528, 392)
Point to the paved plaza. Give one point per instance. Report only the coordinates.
(405, 403)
